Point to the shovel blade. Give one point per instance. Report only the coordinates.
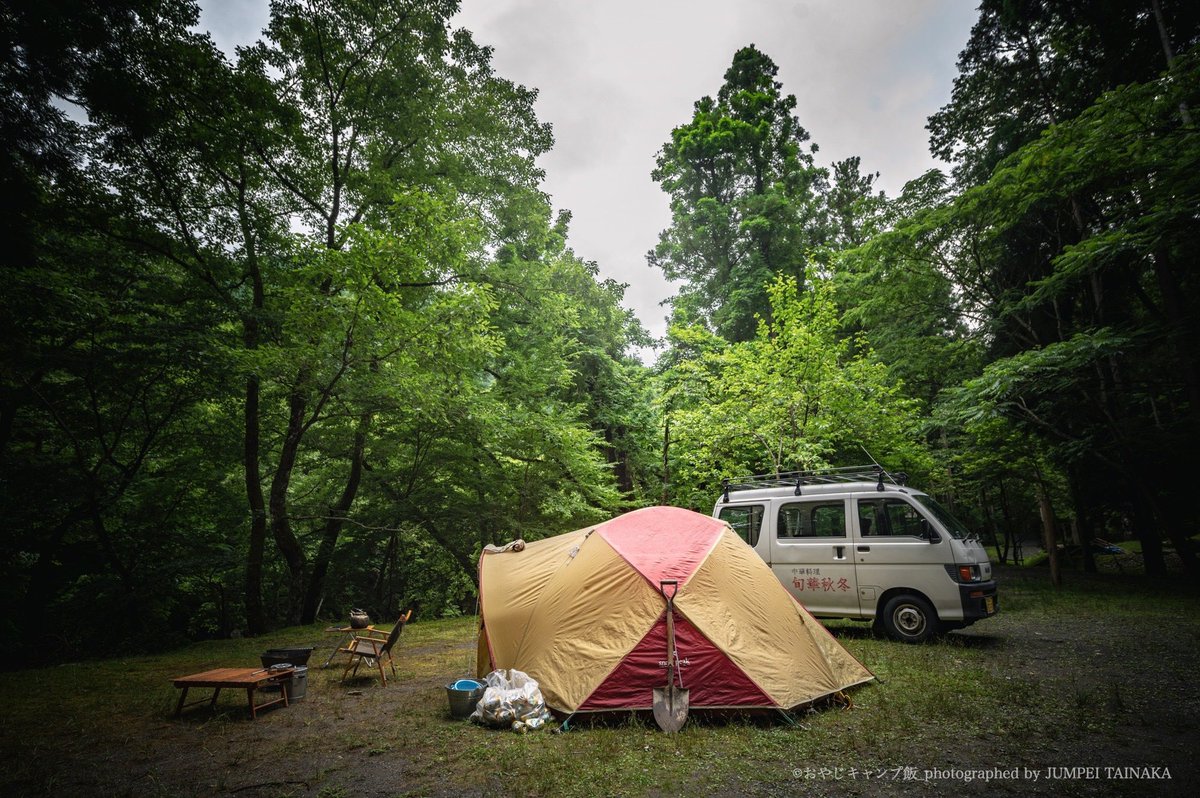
(670, 708)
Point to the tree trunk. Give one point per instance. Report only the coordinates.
(1147, 533)
(124, 573)
(1184, 112)
(281, 523)
(1049, 534)
(1011, 544)
(991, 522)
(666, 461)
(463, 560)
(256, 616)
(1173, 517)
(387, 566)
(43, 586)
(1083, 521)
(1180, 332)
(8, 413)
(618, 458)
(333, 526)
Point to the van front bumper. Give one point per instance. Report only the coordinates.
(979, 600)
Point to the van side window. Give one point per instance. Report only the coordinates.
(812, 520)
(891, 518)
(746, 521)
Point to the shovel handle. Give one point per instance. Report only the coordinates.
(662, 588)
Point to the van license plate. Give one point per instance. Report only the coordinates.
(990, 604)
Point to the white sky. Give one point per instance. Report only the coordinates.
(615, 76)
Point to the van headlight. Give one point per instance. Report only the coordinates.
(968, 573)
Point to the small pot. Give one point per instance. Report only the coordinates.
(359, 619)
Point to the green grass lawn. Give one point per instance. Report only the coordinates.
(1060, 678)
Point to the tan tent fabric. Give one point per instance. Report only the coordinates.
(508, 595)
(592, 613)
(771, 637)
(570, 611)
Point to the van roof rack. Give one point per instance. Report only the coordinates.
(823, 476)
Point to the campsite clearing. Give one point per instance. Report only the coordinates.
(1097, 676)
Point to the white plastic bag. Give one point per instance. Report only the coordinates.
(511, 699)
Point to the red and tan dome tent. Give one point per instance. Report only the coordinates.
(582, 613)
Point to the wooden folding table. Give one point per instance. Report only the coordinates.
(248, 679)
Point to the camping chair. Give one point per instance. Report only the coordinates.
(367, 647)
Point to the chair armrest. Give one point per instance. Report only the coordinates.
(357, 640)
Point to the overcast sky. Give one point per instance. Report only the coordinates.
(615, 76)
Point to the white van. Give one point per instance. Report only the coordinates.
(858, 543)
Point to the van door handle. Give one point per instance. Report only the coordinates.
(864, 548)
(839, 552)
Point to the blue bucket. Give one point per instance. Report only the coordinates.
(463, 696)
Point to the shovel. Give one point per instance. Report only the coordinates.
(670, 702)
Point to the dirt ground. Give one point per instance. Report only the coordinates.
(1127, 706)
(1088, 691)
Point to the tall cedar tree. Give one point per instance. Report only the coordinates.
(745, 199)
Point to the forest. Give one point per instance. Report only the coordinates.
(299, 330)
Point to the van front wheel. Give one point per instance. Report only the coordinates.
(909, 619)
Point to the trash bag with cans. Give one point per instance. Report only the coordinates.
(513, 700)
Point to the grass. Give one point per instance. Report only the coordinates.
(1128, 562)
(985, 698)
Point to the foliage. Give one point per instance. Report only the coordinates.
(298, 331)
(1096, 367)
(1037, 306)
(1033, 63)
(290, 334)
(902, 291)
(744, 198)
(796, 396)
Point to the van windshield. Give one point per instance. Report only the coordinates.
(952, 524)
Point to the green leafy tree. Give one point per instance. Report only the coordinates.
(1032, 63)
(109, 440)
(745, 198)
(857, 211)
(799, 395)
(906, 291)
(342, 109)
(110, 455)
(334, 287)
(513, 443)
(1094, 373)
